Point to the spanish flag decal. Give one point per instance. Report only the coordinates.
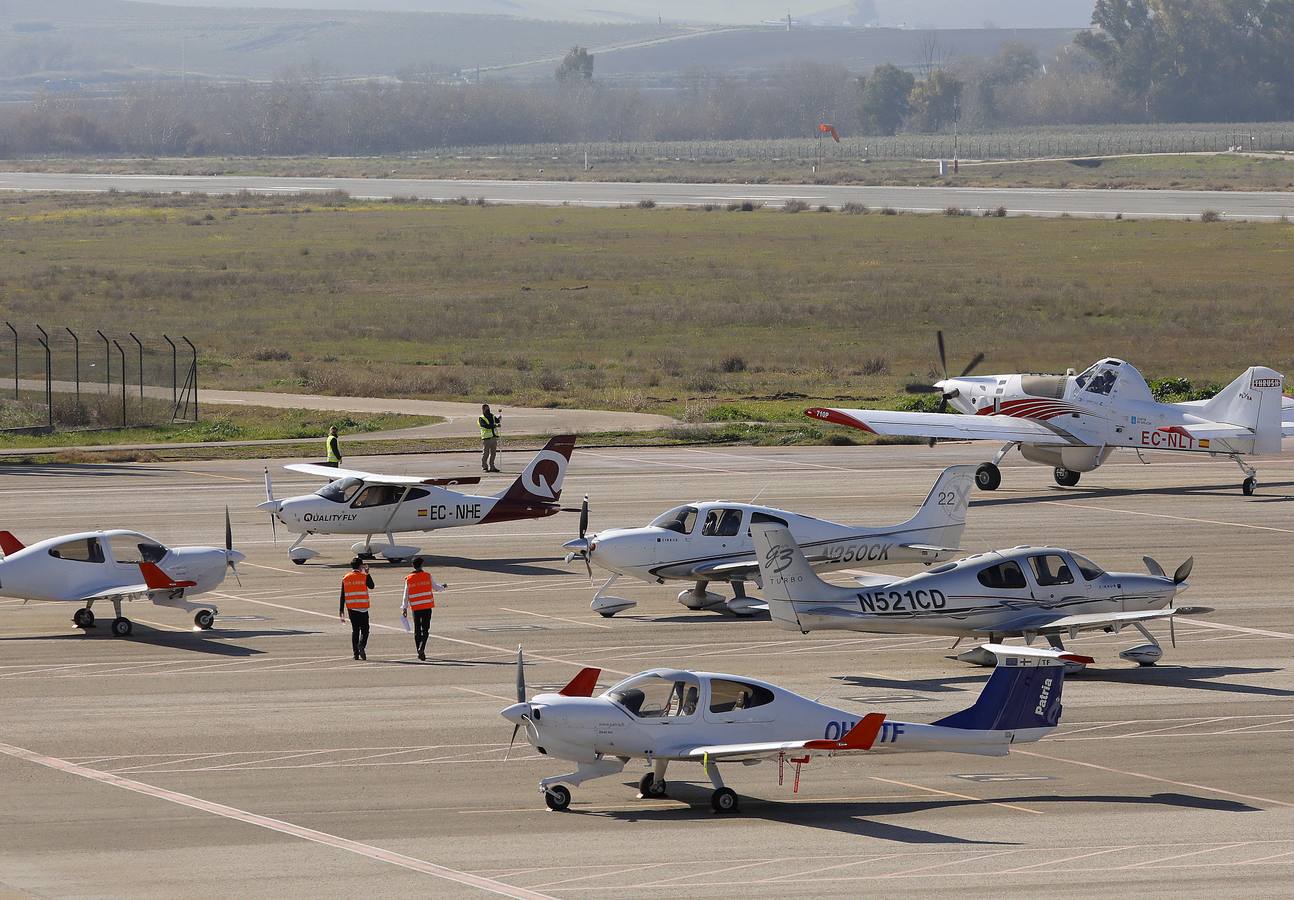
(1204, 443)
(422, 514)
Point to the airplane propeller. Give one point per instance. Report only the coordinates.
(521, 698)
(273, 509)
(582, 546)
(1183, 572)
(229, 548)
(944, 395)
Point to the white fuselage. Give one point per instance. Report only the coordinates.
(431, 508)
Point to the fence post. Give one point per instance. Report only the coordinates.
(123, 382)
(194, 370)
(175, 374)
(107, 365)
(76, 345)
(49, 389)
(15, 360)
(141, 367)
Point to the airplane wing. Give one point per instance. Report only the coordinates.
(332, 474)
(948, 427)
(860, 737)
(120, 592)
(1042, 623)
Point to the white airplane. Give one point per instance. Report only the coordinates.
(116, 565)
(1074, 422)
(355, 502)
(710, 541)
(1026, 592)
(671, 715)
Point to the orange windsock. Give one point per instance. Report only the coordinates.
(824, 128)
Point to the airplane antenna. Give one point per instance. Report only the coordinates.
(761, 490)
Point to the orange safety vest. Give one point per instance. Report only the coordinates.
(355, 589)
(420, 592)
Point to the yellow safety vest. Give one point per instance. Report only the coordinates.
(489, 426)
(334, 451)
(421, 595)
(355, 590)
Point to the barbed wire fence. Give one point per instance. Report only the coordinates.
(62, 379)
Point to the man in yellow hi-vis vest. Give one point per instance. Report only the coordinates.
(354, 604)
(420, 597)
(333, 448)
(489, 424)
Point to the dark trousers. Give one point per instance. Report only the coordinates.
(421, 628)
(358, 629)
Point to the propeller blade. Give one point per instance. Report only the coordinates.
(269, 485)
(1172, 631)
(943, 357)
(970, 366)
(1153, 567)
(233, 568)
(921, 389)
(515, 729)
(584, 515)
(229, 532)
(1184, 570)
(943, 407)
(521, 676)
(588, 565)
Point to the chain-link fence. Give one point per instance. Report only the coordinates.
(59, 378)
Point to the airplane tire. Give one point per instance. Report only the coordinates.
(1249, 486)
(650, 787)
(83, 618)
(121, 627)
(1065, 477)
(988, 477)
(204, 619)
(724, 801)
(299, 562)
(557, 798)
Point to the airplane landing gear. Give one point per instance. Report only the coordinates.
(557, 798)
(83, 618)
(724, 799)
(651, 786)
(121, 627)
(988, 477)
(204, 619)
(1250, 484)
(1065, 477)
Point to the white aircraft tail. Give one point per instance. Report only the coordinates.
(1252, 401)
(789, 582)
(942, 517)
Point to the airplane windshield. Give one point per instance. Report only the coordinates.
(1083, 379)
(339, 491)
(1102, 382)
(1091, 571)
(680, 519)
(658, 697)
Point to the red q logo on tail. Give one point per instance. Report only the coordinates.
(543, 477)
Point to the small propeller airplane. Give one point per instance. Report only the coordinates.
(1074, 422)
(673, 715)
(116, 565)
(355, 502)
(710, 541)
(1026, 592)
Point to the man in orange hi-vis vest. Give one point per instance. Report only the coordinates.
(354, 603)
(420, 596)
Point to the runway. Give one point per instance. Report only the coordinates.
(1141, 204)
(259, 760)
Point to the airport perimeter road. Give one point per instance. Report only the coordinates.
(260, 760)
(1018, 201)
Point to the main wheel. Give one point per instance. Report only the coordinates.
(650, 787)
(1065, 477)
(1249, 485)
(557, 797)
(298, 562)
(724, 800)
(121, 627)
(988, 477)
(204, 619)
(83, 618)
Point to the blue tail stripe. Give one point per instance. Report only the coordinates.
(1013, 699)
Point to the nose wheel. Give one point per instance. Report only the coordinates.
(651, 786)
(1065, 477)
(557, 798)
(83, 618)
(1248, 486)
(204, 619)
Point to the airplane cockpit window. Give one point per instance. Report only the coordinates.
(341, 490)
(658, 697)
(722, 523)
(1005, 575)
(680, 519)
(759, 518)
(378, 495)
(1103, 382)
(726, 696)
(81, 550)
(1083, 379)
(128, 549)
(1050, 570)
(1091, 571)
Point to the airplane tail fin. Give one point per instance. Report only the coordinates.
(1022, 695)
(942, 517)
(9, 543)
(1252, 401)
(788, 578)
(541, 480)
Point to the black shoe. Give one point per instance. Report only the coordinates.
(363, 655)
(496, 470)
(357, 656)
(422, 656)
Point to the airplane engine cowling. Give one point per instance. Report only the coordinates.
(1076, 459)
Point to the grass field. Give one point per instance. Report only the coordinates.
(709, 316)
(1189, 171)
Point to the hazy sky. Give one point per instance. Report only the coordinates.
(950, 13)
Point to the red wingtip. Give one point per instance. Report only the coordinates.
(582, 685)
(1076, 658)
(860, 737)
(158, 580)
(9, 543)
(836, 417)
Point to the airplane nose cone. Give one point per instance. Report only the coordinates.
(235, 556)
(577, 545)
(270, 505)
(515, 712)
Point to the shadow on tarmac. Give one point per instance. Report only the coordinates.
(76, 469)
(516, 566)
(208, 642)
(1056, 492)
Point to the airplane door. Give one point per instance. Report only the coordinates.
(738, 703)
(1054, 579)
(721, 530)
